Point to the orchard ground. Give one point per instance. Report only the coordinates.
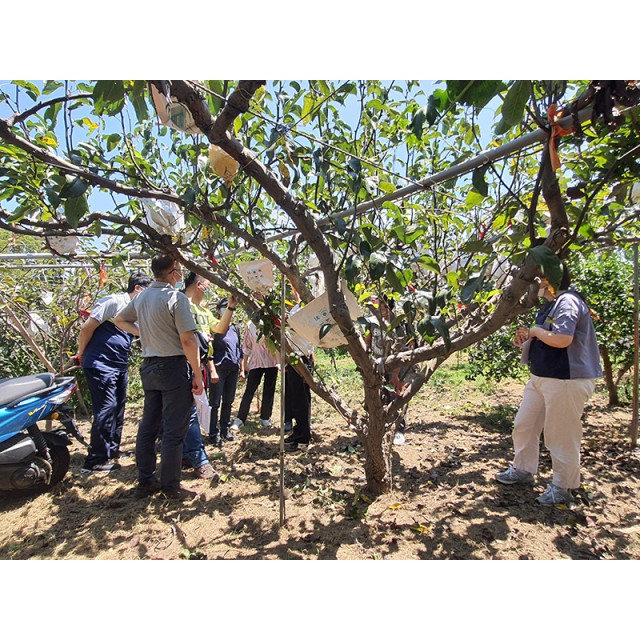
(445, 503)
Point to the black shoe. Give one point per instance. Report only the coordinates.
(294, 445)
(289, 438)
(101, 466)
(146, 489)
(215, 441)
(180, 494)
(229, 437)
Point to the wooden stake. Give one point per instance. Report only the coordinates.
(283, 362)
(634, 418)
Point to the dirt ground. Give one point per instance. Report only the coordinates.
(445, 503)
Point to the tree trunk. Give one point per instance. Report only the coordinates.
(607, 369)
(377, 447)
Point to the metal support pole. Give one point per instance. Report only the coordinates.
(283, 364)
(634, 418)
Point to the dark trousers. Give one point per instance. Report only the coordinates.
(221, 397)
(297, 405)
(268, 392)
(168, 402)
(108, 389)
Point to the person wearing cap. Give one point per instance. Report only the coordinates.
(228, 361)
(103, 353)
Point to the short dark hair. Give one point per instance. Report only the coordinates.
(138, 279)
(160, 264)
(190, 279)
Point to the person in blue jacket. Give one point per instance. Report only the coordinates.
(103, 353)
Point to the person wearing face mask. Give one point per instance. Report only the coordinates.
(196, 287)
(170, 375)
(564, 360)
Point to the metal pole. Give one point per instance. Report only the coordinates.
(634, 418)
(283, 363)
(483, 158)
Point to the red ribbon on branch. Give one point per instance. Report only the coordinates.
(553, 115)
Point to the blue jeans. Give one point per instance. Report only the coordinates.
(222, 393)
(193, 451)
(108, 389)
(168, 403)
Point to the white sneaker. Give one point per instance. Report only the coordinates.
(265, 423)
(555, 495)
(236, 424)
(398, 439)
(514, 476)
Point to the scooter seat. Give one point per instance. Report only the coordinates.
(15, 388)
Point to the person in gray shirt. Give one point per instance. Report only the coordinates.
(170, 375)
(563, 355)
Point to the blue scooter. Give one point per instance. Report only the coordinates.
(32, 459)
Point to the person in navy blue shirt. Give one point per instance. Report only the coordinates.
(227, 357)
(103, 353)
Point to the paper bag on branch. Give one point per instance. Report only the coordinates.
(173, 114)
(66, 245)
(315, 318)
(222, 163)
(257, 274)
(164, 217)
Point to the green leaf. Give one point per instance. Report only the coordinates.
(307, 108)
(515, 101)
(418, 121)
(549, 263)
(50, 86)
(51, 113)
(393, 279)
(324, 329)
(74, 188)
(354, 168)
(473, 198)
(113, 141)
(473, 284)
(425, 327)
(53, 197)
(479, 182)
(352, 268)
(74, 209)
(138, 100)
(32, 91)
(441, 327)
(427, 262)
(108, 96)
(475, 93)
(189, 196)
(365, 249)
(432, 109)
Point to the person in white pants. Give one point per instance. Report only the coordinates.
(564, 360)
